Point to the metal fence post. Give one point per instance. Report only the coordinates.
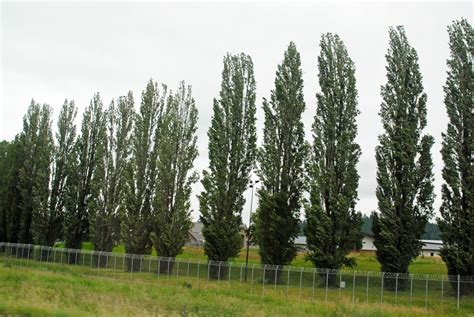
(187, 271)
(288, 282)
(396, 289)
(131, 266)
(327, 285)
(459, 290)
(442, 288)
(115, 264)
(353, 287)
(314, 280)
(149, 264)
(426, 294)
(168, 273)
(301, 279)
(240, 278)
(28, 256)
(197, 274)
(251, 282)
(381, 289)
(263, 279)
(208, 269)
(158, 272)
(98, 263)
(276, 277)
(219, 273)
(340, 280)
(367, 289)
(230, 271)
(411, 290)
(177, 271)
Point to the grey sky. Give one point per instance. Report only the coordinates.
(53, 51)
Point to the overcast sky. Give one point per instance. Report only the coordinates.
(53, 51)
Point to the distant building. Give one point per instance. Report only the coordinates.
(431, 248)
(368, 243)
(300, 243)
(195, 235)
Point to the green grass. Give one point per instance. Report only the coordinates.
(52, 289)
(365, 261)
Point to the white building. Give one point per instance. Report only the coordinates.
(431, 247)
(368, 243)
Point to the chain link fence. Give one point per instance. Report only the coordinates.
(305, 283)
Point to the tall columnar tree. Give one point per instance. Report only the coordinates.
(5, 167)
(404, 166)
(83, 181)
(36, 146)
(12, 194)
(177, 151)
(48, 224)
(232, 151)
(141, 173)
(105, 220)
(457, 209)
(281, 161)
(334, 226)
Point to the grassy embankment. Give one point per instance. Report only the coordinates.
(58, 289)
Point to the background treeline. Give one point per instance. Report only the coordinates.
(126, 174)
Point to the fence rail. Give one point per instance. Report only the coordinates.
(425, 290)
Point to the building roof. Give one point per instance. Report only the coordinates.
(196, 231)
(432, 245)
(300, 240)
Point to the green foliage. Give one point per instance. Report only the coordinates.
(281, 164)
(105, 218)
(177, 151)
(11, 198)
(457, 209)
(35, 147)
(4, 180)
(83, 181)
(404, 165)
(367, 222)
(50, 226)
(334, 226)
(140, 173)
(232, 150)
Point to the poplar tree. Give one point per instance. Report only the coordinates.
(105, 222)
(49, 222)
(177, 151)
(83, 182)
(333, 225)
(281, 170)
(232, 151)
(4, 180)
(12, 195)
(457, 222)
(404, 165)
(141, 174)
(36, 146)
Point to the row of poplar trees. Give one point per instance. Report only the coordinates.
(288, 166)
(127, 176)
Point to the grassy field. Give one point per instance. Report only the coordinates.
(51, 289)
(365, 261)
